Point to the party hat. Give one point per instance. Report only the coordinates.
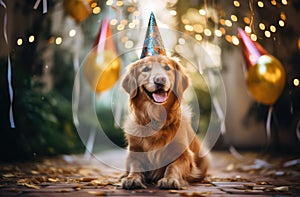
(251, 50)
(153, 44)
(102, 42)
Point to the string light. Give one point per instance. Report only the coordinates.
(114, 22)
(273, 28)
(222, 29)
(94, 4)
(120, 27)
(109, 2)
(267, 34)
(284, 2)
(233, 17)
(260, 4)
(282, 16)
(273, 2)
(261, 26)
(198, 28)
(236, 4)
(198, 37)
(131, 25)
(207, 32)
(58, 40)
(131, 9)
(119, 3)
(222, 21)
(228, 38)
(281, 23)
(228, 23)
(235, 40)
(188, 27)
(31, 38)
(124, 22)
(253, 37)
(296, 82)
(247, 20)
(181, 41)
(248, 29)
(96, 10)
(173, 12)
(129, 44)
(19, 41)
(72, 32)
(202, 12)
(218, 33)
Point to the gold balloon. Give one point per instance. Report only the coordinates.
(102, 69)
(79, 10)
(266, 79)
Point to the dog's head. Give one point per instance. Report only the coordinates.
(158, 78)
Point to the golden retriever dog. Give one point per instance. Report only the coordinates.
(162, 146)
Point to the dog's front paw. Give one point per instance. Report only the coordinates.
(169, 183)
(132, 183)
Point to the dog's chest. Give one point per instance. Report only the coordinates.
(156, 141)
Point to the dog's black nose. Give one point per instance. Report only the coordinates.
(160, 80)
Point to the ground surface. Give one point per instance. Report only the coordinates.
(252, 174)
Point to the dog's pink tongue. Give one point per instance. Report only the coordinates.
(159, 97)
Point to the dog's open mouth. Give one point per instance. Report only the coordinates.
(158, 96)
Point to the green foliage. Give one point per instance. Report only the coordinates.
(44, 125)
(106, 120)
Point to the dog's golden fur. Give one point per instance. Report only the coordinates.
(163, 147)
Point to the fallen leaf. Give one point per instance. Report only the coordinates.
(172, 191)
(34, 172)
(9, 175)
(32, 186)
(281, 189)
(97, 193)
(53, 179)
(87, 179)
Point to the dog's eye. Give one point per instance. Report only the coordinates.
(167, 67)
(146, 69)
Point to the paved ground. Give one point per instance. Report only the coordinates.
(253, 174)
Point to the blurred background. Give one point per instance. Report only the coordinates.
(43, 44)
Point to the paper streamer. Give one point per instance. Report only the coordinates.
(77, 82)
(268, 125)
(11, 93)
(37, 3)
(10, 88)
(298, 130)
(221, 116)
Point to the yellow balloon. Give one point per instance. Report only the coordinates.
(102, 70)
(79, 10)
(266, 79)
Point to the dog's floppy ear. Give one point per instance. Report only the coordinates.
(129, 82)
(181, 79)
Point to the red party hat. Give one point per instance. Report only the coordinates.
(251, 50)
(102, 42)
